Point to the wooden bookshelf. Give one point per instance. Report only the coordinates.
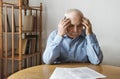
(8, 43)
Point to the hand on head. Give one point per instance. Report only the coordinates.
(63, 25)
(86, 23)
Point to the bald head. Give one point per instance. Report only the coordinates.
(74, 15)
(78, 12)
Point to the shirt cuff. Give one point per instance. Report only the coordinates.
(91, 38)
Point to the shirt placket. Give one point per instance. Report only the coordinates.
(71, 51)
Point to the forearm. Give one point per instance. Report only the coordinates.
(51, 54)
(52, 51)
(93, 50)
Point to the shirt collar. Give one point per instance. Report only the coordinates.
(82, 35)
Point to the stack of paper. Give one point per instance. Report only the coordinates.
(75, 73)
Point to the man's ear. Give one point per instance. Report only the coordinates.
(82, 23)
(83, 26)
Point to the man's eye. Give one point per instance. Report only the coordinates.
(79, 26)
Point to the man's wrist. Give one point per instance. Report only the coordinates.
(60, 34)
(89, 32)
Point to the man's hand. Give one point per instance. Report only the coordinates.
(87, 25)
(62, 26)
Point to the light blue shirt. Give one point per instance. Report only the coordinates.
(84, 48)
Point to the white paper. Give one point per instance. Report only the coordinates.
(75, 73)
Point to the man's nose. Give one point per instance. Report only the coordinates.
(75, 28)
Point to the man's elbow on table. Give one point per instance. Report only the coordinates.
(47, 61)
(97, 62)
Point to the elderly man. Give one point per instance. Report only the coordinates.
(73, 41)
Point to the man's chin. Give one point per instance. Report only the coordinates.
(75, 36)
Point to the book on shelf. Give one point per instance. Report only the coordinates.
(29, 44)
(28, 23)
(24, 46)
(8, 24)
(35, 24)
(14, 24)
(5, 22)
(32, 45)
(30, 36)
(27, 50)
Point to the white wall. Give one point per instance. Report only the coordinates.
(104, 16)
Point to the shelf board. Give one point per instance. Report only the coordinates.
(22, 32)
(9, 5)
(11, 32)
(24, 56)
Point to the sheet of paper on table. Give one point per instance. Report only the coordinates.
(75, 73)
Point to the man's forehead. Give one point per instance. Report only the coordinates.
(75, 19)
(72, 14)
(76, 24)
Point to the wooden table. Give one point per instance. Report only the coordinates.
(45, 71)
